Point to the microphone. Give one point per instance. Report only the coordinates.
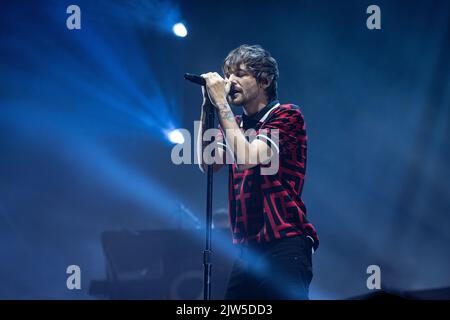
(195, 79)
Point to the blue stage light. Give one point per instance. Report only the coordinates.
(175, 136)
(180, 30)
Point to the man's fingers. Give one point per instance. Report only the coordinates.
(211, 76)
(227, 86)
(207, 77)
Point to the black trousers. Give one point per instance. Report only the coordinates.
(277, 270)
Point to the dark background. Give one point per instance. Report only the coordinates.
(84, 116)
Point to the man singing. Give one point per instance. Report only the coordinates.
(267, 215)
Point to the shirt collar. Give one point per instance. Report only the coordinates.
(261, 116)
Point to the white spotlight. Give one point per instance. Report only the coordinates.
(175, 136)
(180, 30)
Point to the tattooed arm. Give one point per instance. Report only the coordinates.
(247, 155)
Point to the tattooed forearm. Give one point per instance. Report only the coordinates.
(226, 114)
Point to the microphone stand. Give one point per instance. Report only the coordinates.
(207, 252)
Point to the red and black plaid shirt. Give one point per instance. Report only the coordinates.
(267, 207)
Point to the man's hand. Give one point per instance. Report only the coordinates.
(217, 88)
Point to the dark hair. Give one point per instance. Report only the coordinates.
(258, 62)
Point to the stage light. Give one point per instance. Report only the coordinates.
(179, 30)
(175, 136)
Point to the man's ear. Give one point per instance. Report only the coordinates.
(266, 81)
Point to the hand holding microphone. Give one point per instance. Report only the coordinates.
(216, 87)
(200, 81)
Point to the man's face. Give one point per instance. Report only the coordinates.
(244, 87)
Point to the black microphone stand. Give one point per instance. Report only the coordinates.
(209, 189)
(207, 252)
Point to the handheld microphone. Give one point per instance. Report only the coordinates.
(195, 79)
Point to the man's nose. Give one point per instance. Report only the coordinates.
(232, 79)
